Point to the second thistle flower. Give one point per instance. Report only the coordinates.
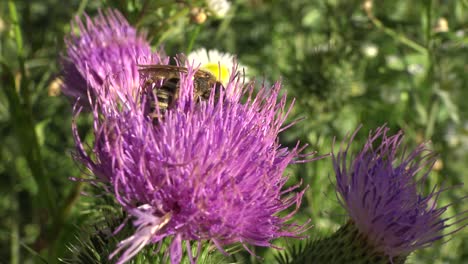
(390, 216)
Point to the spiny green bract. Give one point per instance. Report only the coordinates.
(346, 245)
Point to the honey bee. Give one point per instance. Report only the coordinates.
(168, 92)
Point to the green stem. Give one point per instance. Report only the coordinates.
(431, 75)
(193, 38)
(23, 120)
(429, 23)
(82, 7)
(67, 206)
(168, 21)
(142, 13)
(62, 216)
(397, 36)
(71, 200)
(24, 129)
(17, 30)
(24, 91)
(432, 118)
(14, 247)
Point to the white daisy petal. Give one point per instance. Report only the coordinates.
(218, 63)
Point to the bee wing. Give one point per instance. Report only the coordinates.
(161, 67)
(161, 71)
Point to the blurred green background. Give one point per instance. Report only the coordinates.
(346, 62)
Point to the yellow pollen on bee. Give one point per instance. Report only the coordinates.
(221, 72)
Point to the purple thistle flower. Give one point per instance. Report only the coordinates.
(209, 170)
(380, 191)
(107, 50)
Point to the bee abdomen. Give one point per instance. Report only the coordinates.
(167, 94)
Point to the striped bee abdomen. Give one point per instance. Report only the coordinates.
(166, 95)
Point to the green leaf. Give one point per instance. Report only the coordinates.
(39, 128)
(450, 106)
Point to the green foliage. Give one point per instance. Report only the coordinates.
(397, 62)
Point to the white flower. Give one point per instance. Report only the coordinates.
(370, 50)
(218, 8)
(415, 69)
(218, 63)
(442, 25)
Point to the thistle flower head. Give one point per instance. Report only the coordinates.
(106, 50)
(381, 191)
(209, 170)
